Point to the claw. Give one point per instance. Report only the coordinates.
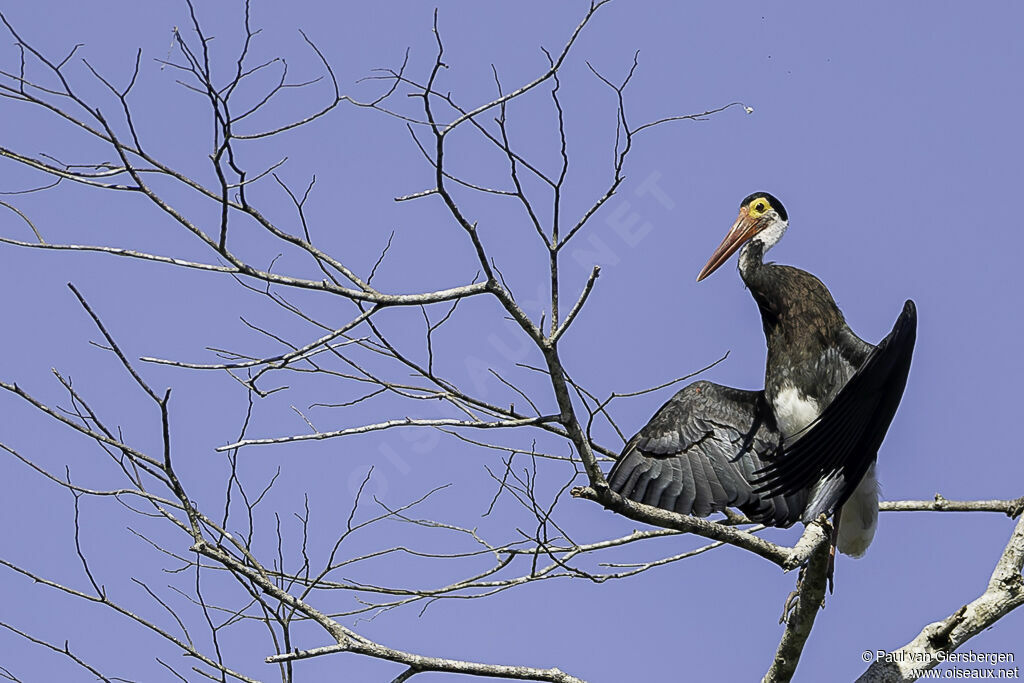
(793, 599)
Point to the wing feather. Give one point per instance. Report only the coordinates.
(699, 452)
(835, 453)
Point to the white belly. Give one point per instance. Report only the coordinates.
(793, 411)
(859, 519)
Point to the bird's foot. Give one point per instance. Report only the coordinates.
(793, 599)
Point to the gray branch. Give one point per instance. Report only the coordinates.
(809, 597)
(932, 646)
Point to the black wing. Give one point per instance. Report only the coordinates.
(842, 443)
(699, 452)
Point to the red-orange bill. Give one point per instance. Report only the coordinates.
(743, 229)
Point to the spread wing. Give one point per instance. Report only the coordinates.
(841, 444)
(699, 453)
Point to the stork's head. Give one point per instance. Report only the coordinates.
(762, 218)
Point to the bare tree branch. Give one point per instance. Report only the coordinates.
(238, 561)
(936, 641)
(800, 611)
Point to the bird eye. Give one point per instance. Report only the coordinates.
(759, 207)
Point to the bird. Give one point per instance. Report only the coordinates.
(806, 444)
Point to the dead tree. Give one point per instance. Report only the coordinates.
(242, 569)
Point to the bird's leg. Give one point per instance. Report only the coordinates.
(793, 599)
(830, 572)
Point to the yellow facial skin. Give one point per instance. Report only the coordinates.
(747, 225)
(758, 207)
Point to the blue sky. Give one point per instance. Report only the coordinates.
(890, 132)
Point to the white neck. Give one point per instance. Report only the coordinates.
(771, 235)
(767, 238)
